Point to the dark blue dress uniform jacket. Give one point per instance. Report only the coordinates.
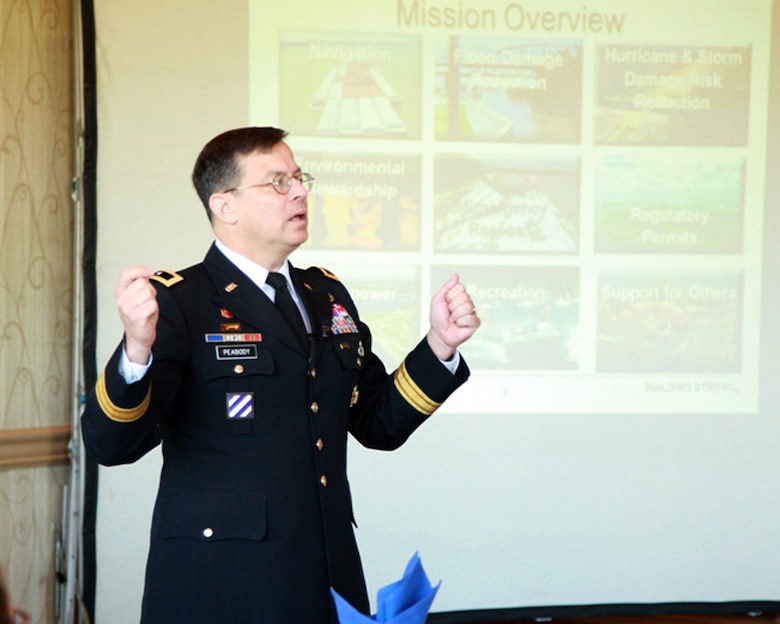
(253, 519)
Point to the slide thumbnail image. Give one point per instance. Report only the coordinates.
(670, 322)
(350, 85)
(508, 89)
(503, 205)
(670, 204)
(388, 299)
(363, 201)
(530, 316)
(672, 95)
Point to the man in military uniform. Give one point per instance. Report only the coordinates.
(253, 520)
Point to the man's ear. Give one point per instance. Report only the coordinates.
(221, 207)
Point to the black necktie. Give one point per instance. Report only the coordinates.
(286, 305)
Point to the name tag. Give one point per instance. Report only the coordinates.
(237, 352)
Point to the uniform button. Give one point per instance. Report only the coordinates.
(314, 407)
(360, 361)
(238, 369)
(313, 373)
(324, 481)
(208, 532)
(320, 444)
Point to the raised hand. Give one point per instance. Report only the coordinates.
(453, 318)
(136, 300)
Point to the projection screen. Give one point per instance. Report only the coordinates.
(602, 176)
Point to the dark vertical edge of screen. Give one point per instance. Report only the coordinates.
(88, 268)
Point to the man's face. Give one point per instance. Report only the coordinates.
(271, 223)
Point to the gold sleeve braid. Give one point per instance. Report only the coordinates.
(412, 393)
(116, 413)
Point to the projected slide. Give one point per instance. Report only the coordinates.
(595, 189)
(389, 303)
(508, 89)
(669, 203)
(343, 85)
(672, 95)
(530, 315)
(500, 205)
(682, 321)
(368, 203)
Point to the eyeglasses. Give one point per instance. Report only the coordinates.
(281, 182)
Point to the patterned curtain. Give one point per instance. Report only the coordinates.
(36, 292)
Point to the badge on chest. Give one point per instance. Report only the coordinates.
(240, 405)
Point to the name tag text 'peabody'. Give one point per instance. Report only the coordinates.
(230, 352)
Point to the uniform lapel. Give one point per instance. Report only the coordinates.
(318, 305)
(245, 301)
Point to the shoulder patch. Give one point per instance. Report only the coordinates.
(326, 273)
(167, 278)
